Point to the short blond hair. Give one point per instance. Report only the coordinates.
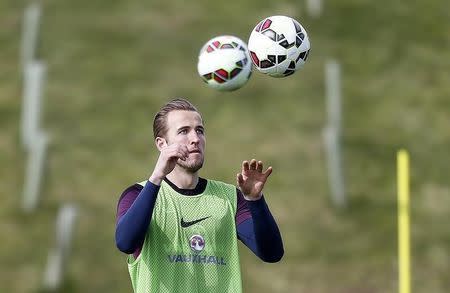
(160, 121)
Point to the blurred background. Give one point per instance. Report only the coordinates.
(112, 64)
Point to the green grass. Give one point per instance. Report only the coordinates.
(111, 64)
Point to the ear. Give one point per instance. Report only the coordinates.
(160, 143)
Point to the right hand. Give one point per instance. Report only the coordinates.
(167, 161)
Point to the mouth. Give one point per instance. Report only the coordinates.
(195, 151)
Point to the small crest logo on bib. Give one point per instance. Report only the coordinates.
(197, 243)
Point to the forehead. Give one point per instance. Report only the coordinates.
(181, 118)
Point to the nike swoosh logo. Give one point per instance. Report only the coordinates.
(190, 223)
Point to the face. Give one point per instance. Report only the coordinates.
(186, 127)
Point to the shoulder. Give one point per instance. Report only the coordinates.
(221, 185)
(131, 191)
(127, 198)
(226, 190)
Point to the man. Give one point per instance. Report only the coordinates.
(181, 230)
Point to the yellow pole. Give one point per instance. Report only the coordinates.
(403, 222)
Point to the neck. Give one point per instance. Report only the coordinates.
(183, 179)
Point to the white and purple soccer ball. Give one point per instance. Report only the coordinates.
(224, 63)
(279, 46)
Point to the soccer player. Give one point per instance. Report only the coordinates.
(180, 230)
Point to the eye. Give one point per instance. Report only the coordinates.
(200, 131)
(182, 131)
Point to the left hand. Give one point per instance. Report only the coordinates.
(251, 180)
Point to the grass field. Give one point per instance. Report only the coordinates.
(112, 64)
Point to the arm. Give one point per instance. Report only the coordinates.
(134, 215)
(133, 223)
(259, 232)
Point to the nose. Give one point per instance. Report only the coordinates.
(194, 138)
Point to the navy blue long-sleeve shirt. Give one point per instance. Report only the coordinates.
(256, 227)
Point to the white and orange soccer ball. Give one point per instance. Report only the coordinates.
(279, 46)
(224, 63)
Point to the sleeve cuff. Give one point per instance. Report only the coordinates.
(151, 187)
(257, 206)
(152, 184)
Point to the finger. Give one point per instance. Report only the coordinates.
(268, 172)
(259, 166)
(175, 152)
(245, 166)
(239, 179)
(253, 164)
(179, 153)
(184, 156)
(170, 153)
(184, 148)
(171, 150)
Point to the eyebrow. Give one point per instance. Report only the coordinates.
(187, 127)
(182, 128)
